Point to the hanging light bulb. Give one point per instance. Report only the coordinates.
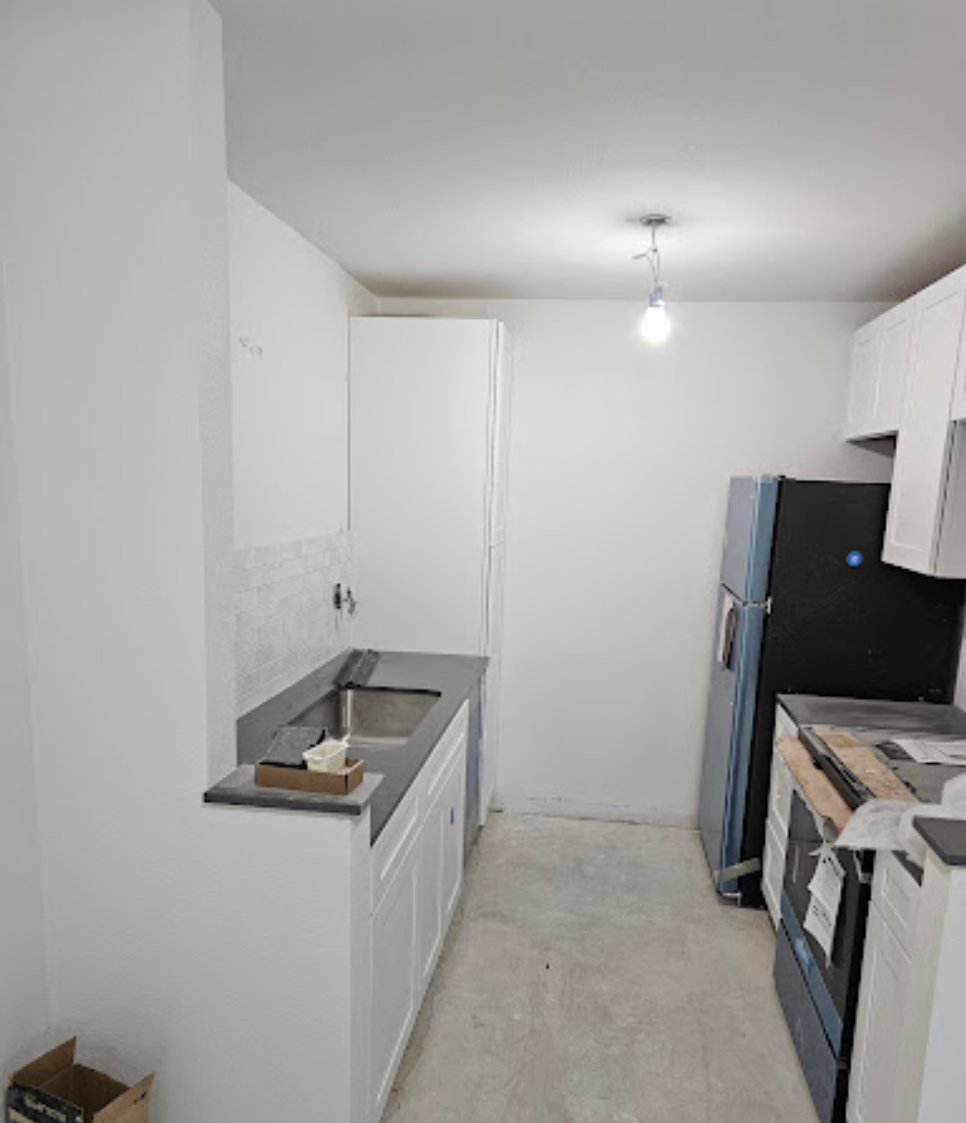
(655, 324)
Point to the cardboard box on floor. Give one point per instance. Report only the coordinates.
(55, 1089)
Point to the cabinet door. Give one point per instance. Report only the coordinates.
(492, 684)
(776, 828)
(442, 862)
(958, 411)
(395, 981)
(919, 481)
(885, 969)
(453, 803)
(780, 797)
(500, 437)
(431, 893)
(772, 874)
(863, 386)
(420, 421)
(894, 355)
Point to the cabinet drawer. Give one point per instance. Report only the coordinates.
(773, 871)
(784, 726)
(394, 843)
(896, 893)
(780, 795)
(449, 745)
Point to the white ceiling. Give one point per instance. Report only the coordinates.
(809, 150)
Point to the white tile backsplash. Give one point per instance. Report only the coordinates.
(285, 622)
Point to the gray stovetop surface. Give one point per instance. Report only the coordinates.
(454, 677)
(861, 713)
(875, 722)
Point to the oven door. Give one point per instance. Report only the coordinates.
(834, 982)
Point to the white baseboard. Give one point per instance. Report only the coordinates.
(576, 809)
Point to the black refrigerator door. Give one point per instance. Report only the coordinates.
(843, 623)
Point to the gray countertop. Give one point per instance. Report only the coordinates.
(946, 838)
(454, 677)
(886, 721)
(862, 713)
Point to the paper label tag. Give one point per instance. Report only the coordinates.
(933, 752)
(822, 918)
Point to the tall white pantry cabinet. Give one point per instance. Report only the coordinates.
(429, 421)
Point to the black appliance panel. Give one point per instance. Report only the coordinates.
(841, 974)
(841, 626)
(827, 1077)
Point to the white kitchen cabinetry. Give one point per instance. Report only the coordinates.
(926, 529)
(499, 474)
(894, 357)
(416, 877)
(779, 814)
(886, 971)
(493, 684)
(396, 986)
(429, 446)
(442, 862)
(885, 968)
(866, 347)
(880, 364)
(451, 806)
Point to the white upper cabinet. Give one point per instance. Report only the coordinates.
(958, 411)
(862, 388)
(880, 363)
(926, 529)
(500, 437)
(893, 367)
(429, 418)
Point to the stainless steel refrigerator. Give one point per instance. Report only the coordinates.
(806, 605)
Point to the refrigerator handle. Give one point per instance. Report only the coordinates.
(729, 626)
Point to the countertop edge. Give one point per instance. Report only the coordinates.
(945, 837)
(456, 677)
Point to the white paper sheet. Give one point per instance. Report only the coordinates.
(934, 752)
(825, 888)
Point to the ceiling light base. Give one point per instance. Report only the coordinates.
(655, 221)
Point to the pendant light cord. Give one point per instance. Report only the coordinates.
(652, 255)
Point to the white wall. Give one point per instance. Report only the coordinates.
(159, 909)
(620, 458)
(24, 1009)
(291, 305)
(290, 309)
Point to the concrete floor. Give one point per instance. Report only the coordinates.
(591, 976)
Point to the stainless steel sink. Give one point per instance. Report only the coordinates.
(370, 717)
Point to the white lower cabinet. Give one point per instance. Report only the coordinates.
(442, 864)
(779, 813)
(422, 849)
(452, 806)
(395, 983)
(772, 874)
(875, 1061)
(431, 928)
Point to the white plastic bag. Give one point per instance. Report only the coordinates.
(910, 840)
(954, 791)
(874, 826)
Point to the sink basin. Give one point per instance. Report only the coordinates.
(370, 717)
